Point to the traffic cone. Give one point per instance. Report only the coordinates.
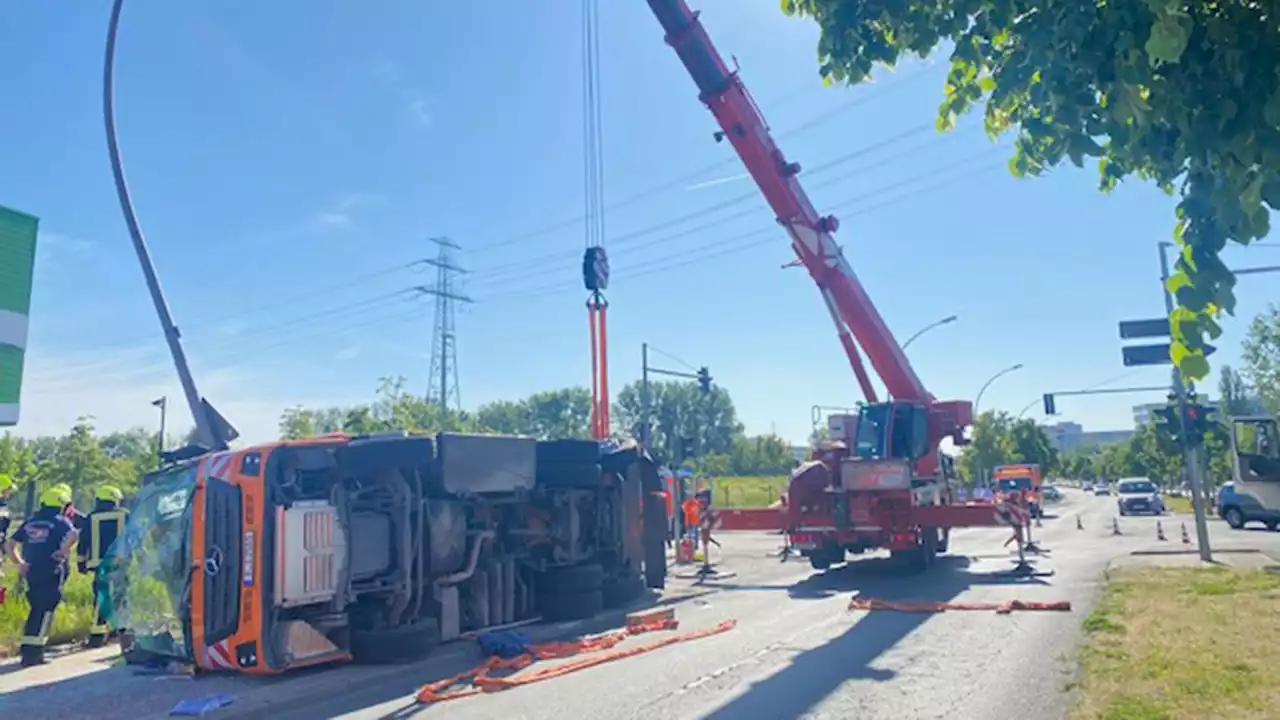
(1160, 531)
(1186, 539)
(1079, 525)
(1115, 525)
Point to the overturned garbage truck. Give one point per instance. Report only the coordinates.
(376, 548)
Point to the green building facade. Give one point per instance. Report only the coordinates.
(17, 270)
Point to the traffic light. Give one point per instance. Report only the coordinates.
(1198, 421)
(1050, 408)
(704, 379)
(1168, 422)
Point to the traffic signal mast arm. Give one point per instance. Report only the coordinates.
(811, 234)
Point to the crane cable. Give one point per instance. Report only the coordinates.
(595, 262)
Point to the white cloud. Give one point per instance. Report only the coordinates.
(392, 76)
(117, 390)
(717, 181)
(54, 248)
(348, 353)
(420, 111)
(341, 213)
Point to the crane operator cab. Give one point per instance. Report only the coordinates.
(892, 430)
(1256, 497)
(886, 442)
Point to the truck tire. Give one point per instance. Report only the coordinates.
(559, 607)
(623, 590)
(394, 645)
(1233, 516)
(573, 579)
(921, 557)
(944, 541)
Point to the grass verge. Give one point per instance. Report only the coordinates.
(70, 623)
(747, 492)
(1178, 505)
(1182, 644)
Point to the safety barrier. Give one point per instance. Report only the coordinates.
(750, 519)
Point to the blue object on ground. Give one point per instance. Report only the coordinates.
(504, 643)
(199, 707)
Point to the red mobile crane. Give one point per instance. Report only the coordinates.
(886, 484)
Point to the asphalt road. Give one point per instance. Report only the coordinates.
(797, 650)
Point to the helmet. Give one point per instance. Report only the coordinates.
(6, 482)
(57, 496)
(110, 493)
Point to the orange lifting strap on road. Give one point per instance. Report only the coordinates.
(602, 645)
(1001, 608)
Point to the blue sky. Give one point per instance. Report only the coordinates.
(286, 158)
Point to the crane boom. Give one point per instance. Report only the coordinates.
(811, 234)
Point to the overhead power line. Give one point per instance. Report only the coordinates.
(879, 92)
(756, 238)
(522, 267)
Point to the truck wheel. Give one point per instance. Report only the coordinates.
(571, 606)
(573, 579)
(386, 646)
(820, 560)
(623, 590)
(1234, 518)
(921, 557)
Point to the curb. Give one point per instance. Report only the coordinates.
(1223, 551)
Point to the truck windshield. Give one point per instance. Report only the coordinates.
(870, 436)
(1136, 487)
(147, 569)
(1011, 484)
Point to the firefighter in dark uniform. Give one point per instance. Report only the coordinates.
(76, 517)
(99, 529)
(40, 547)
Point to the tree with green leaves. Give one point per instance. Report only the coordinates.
(680, 410)
(1233, 393)
(1262, 358)
(1184, 94)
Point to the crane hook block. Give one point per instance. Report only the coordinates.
(595, 269)
(829, 224)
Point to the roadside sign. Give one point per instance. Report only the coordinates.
(17, 266)
(1139, 355)
(1149, 328)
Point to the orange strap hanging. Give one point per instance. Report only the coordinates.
(602, 645)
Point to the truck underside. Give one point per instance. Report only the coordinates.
(385, 546)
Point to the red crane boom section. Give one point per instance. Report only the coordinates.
(811, 234)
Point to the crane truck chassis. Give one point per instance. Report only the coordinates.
(377, 548)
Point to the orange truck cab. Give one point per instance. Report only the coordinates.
(1022, 480)
(377, 548)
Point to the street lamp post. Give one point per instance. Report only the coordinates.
(944, 321)
(163, 404)
(1028, 407)
(978, 401)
